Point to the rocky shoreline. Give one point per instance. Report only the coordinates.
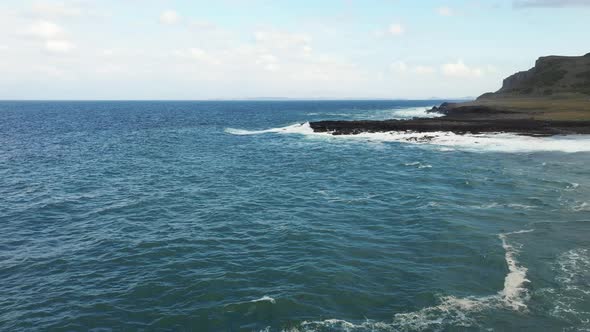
(552, 98)
(460, 120)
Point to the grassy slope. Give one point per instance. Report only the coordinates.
(557, 88)
(572, 108)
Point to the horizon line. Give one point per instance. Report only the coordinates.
(245, 99)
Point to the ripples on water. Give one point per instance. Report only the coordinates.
(199, 216)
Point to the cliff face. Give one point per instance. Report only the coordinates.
(552, 75)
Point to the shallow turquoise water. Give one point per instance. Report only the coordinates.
(190, 216)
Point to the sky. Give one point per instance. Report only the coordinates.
(306, 49)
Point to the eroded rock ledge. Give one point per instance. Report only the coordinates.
(460, 120)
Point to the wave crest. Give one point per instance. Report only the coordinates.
(452, 311)
(300, 128)
(448, 141)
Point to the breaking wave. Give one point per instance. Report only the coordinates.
(383, 114)
(303, 129)
(452, 311)
(414, 112)
(499, 142)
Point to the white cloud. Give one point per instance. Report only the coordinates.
(58, 46)
(326, 70)
(51, 71)
(396, 29)
(402, 67)
(55, 9)
(51, 35)
(460, 69)
(281, 40)
(45, 29)
(423, 70)
(202, 25)
(169, 17)
(272, 67)
(109, 69)
(549, 3)
(269, 62)
(399, 66)
(308, 62)
(445, 11)
(203, 56)
(265, 58)
(197, 54)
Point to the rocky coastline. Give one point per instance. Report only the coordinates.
(552, 98)
(460, 120)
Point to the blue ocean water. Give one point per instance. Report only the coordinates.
(232, 216)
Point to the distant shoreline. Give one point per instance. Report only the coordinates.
(240, 100)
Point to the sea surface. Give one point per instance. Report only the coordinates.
(235, 216)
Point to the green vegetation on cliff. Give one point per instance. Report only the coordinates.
(551, 76)
(556, 88)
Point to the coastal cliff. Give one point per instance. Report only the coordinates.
(551, 76)
(552, 98)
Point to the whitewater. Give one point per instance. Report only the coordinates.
(236, 216)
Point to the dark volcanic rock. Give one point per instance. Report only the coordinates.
(443, 108)
(460, 119)
(458, 126)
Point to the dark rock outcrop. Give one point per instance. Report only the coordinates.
(457, 126)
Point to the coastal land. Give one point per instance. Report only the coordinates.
(552, 98)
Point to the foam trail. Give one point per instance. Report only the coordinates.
(452, 311)
(514, 292)
(265, 298)
(300, 128)
(499, 142)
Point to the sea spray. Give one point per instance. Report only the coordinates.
(498, 142)
(451, 311)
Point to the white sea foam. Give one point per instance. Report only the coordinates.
(414, 112)
(300, 128)
(500, 142)
(451, 311)
(582, 206)
(510, 205)
(382, 114)
(265, 298)
(418, 164)
(514, 293)
(574, 267)
(570, 299)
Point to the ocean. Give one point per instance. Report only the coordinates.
(235, 216)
